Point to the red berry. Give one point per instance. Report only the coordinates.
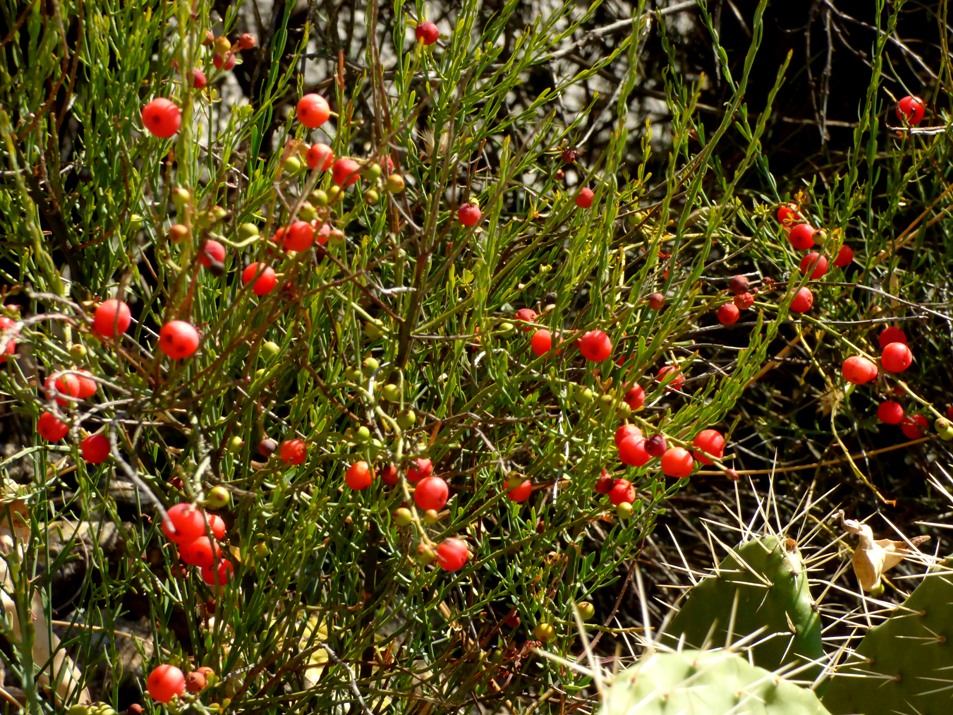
(604, 482)
(844, 256)
(671, 377)
(161, 117)
(584, 197)
(87, 385)
(218, 574)
(709, 441)
(112, 318)
(677, 462)
(431, 493)
(452, 554)
(165, 682)
(195, 682)
(527, 315)
(788, 214)
(728, 314)
(815, 263)
(298, 236)
(738, 284)
(389, 475)
(51, 428)
(469, 214)
(890, 412)
(427, 32)
(801, 236)
(216, 525)
(911, 110)
(632, 451)
(595, 346)
(656, 445)
(7, 331)
(626, 430)
(293, 451)
(891, 335)
(60, 386)
(521, 492)
(622, 492)
(345, 172)
(320, 157)
(541, 342)
(359, 476)
(184, 522)
(743, 301)
(246, 41)
(198, 79)
(896, 357)
(178, 339)
(224, 62)
(656, 301)
(858, 370)
(634, 397)
(201, 552)
(212, 253)
(95, 448)
(313, 110)
(263, 276)
(802, 301)
(419, 468)
(913, 426)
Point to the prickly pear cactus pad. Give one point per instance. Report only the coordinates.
(759, 590)
(904, 665)
(705, 683)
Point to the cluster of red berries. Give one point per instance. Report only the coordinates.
(196, 534)
(895, 357)
(167, 682)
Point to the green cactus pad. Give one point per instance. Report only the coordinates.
(760, 590)
(705, 683)
(904, 665)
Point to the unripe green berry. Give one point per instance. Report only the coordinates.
(373, 172)
(218, 213)
(77, 351)
(586, 610)
(292, 165)
(506, 328)
(270, 349)
(369, 366)
(425, 554)
(218, 497)
(135, 222)
(319, 197)
(403, 517)
(406, 418)
(247, 231)
(431, 517)
(624, 510)
(353, 374)
(307, 212)
(544, 632)
(181, 197)
(235, 444)
(390, 392)
(371, 196)
(374, 329)
(395, 183)
(362, 434)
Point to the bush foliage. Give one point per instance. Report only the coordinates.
(394, 337)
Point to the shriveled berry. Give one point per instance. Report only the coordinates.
(738, 284)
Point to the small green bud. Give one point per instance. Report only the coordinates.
(135, 222)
